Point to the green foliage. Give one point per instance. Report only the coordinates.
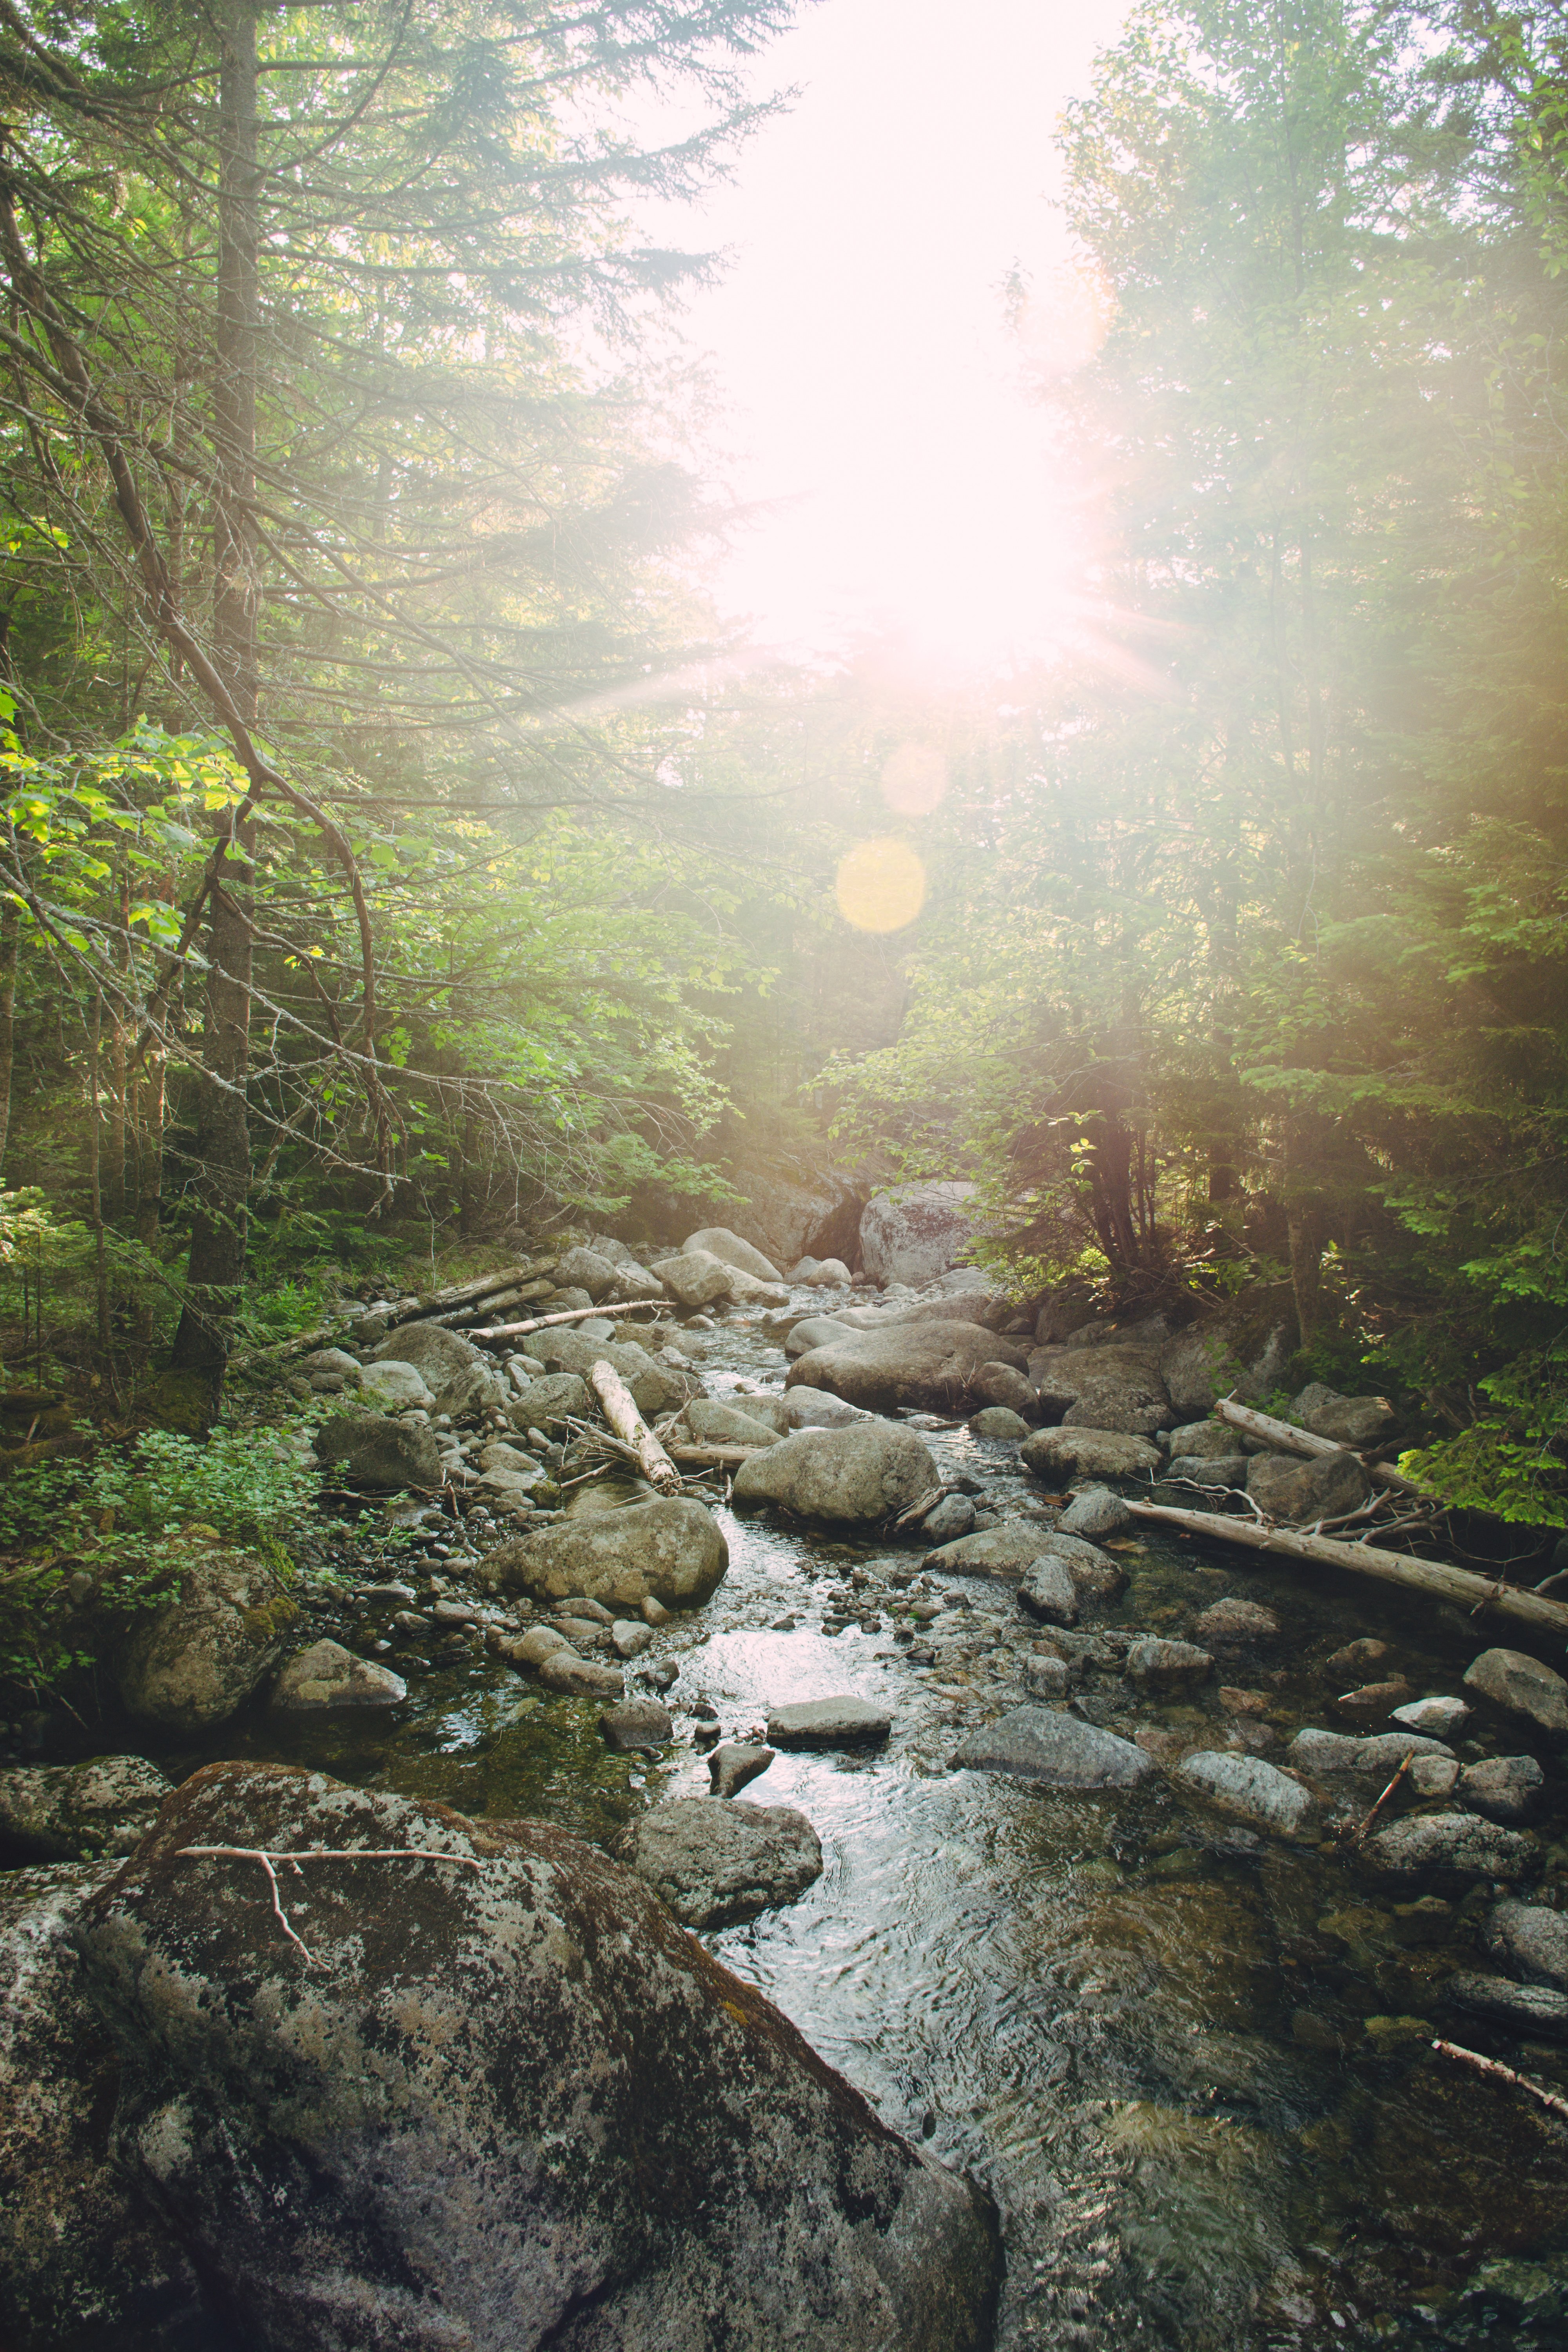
(1511, 1463)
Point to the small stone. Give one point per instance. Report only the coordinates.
(1260, 1792)
(1523, 1685)
(954, 1517)
(1046, 1677)
(1374, 1700)
(455, 1612)
(577, 1677)
(636, 1724)
(1530, 2008)
(326, 1676)
(1441, 1718)
(1036, 1743)
(1159, 1665)
(653, 1613)
(629, 1637)
(662, 1678)
(1234, 1620)
(734, 1765)
(1433, 1776)
(1095, 1511)
(1531, 1940)
(844, 1722)
(1355, 1658)
(1504, 1787)
(409, 1621)
(999, 1421)
(1048, 1592)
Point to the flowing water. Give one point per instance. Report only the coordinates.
(1192, 2067)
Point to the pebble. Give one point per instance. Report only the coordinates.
(1454, 1845)
(1355, 1657)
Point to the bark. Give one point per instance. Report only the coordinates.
(620, 1410)
(1286, 1438)
(10, 932)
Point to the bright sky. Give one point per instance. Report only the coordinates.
(875, 397)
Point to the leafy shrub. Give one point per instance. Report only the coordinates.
(1511, 1463)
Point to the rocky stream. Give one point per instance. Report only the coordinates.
(1175, 2019)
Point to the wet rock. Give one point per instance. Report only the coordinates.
(78, 1812)
(575, 1677)
(1048, 1592)
(670, 1549)
(656, 1388)
(954, 1518)
(842, 1722)
(1235, 1620)
(368, 1450)
(1046, 1677)
(84, 2261)
(1035, 1743)
(1288, 1486)
(1061, 1455)
(326, 1676)
(1504, 1787)
(712, 1423)
(1531, 2008)
(1433, 1776)
(586, 1269)
(1159, 1665)
(537, 1644)
(1439, 1718)
(1093, 1572)
(1227, 1471)
(1095, 1511)
(195, 1661)
(1531, 1940)
(1523, 1685)
(630, 1637)
(1358, 1421)
(548, 2115)
(735, 1764)
(1338, 1751)
(715, 1863)
(914, 1232)
(1374, 1700)
(719, 1241)
(1354, 1659)
(1459, 1845)
(1244, 1785)
(925, 1367)
(635, 1725)
(550, 1402)
(855, 1475)
(1002, 1385)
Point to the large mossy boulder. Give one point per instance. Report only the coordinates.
(195, 1659)
(76, 1812)
(505, 2101)
(671, 1550)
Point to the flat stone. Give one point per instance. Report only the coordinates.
(1233, 1620)
(997, 1421)
(629, 1637)
(1159, 1665)
(326, 1676)
(1048, 1592)
(1531, 1940)
(1511, 1679)
(1036, 1743)
(1459, 1845)
(736, 1763)
(1503, 1788)
(1529, 2009)
(76, 1812)
(576, 1677)
(1338, 1751)
(716, 1863)
(844, 1722)
(1441, 1718)
(1095, 1511)
(1244, 1785)
(1060, 1455)
(1374, 1700)
(636, 1724)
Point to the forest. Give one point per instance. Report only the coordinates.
(423, 907)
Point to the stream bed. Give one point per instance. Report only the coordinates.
(1192, 2066)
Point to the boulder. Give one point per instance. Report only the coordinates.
(1048, 1592)
(735, 1765)
(656, 1388)
(806, 1409)
(637, 1723)
(431, 1349)
(1158, 1666)
(1246, 1786)
(332, 1363)
(915, 1232)
(855, 1475)
(78, 1812)
(925, 1367)
(1234, 1620)
(811, 1331)
(1059, 1456)
(550, 1402)
(1503, 1788)
(476, 1389)
(695, 1279)
(1292, 1486)
(1215, 1470)
(719, 1241)
(1006, 1552)
(1095, 1511)
(1531, 1940)
(1523, 1685)
(843, 1722)
(1242, 1351)
(397, 1386)
(326, 1676)
(633, 1281)
(502, 2105)
(85, 2260)
(1101, 1388)
(1357, 1421)
(195, 1660)
(1379, 1757)
(999, 1421)
(714, 1422)
(368, 1450)
(670, 1549)
(715, 1863)
(1091, 1569)
(792, 1205)
(1528, 2008)
(586, 1269)
(1035, 1743)
(1450, 1845)
(1204, 1440)
(822, 1274)
(1000, 1384)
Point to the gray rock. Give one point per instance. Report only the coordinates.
(1293, 1487)
(1339, 1752)
(78, 1812)
(1235, 1620)
(1061, 1455)
(1439, 1718)
(670, 1549)
(715, 1423)
(633, 1281)
(1433, 1776)
(1358, 1421)
(585, 1269)
(476, 1389)
(1504, 1787)
(1092, 1570)
(1035, 1743)
(84, 2261)
(952, 1518)
(656, 1388)
(1244, 1785)
(856, 1476)
(1048, 1592)
(196, 1660)
(636, 1724)
(814, 1331)
(697, 1279)
(1007, 1553)
(1523, 1685)
(1095, 1511)
(1456, 1845)
(842, 1722)
(537, 1644)
(734, 1765)
(576, 1677)
(330, 1361)
(437, 1354)
(326, 1676)
(1531, 1940)
(550, 1402)
(731, 1251)
(996, 1421)
(913, 1233)
(1243, 1350)
(629, 1637)
(511, 1462)
(1158, 1666)
(386, 1455)
(1205, 1441)
(547, 2115)
(1532, 2009)
(1046, 1677)
(805, 1409)
(1001, 1384)
(921, 1367)
(1219, 1471)
(715, 1863)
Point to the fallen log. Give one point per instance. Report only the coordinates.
(619, 1408)
(455, 1317)
(466, 1294)
(566, 1315)
(1285, 1437)
(1435, 1578)
(300, 1345)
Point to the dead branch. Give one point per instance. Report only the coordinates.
(567, 1315)
(269, 1858)
(1359, 1833)
(620, 1409)
(1495, 2067)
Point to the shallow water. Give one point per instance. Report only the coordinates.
(1195, 2078)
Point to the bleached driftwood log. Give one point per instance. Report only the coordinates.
(619, 1408)
(1288, 1439)
(566, 1315)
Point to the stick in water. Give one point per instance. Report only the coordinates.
(1495, 2067)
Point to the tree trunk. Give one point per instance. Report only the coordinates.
(217, 1271)
(10, 932)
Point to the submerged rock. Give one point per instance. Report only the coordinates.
(1233, 1620)
(715, 1863)
(670, 1549)
(505, 2106)
(76, 1812)
(1337, 1751)
(1511, 1679)
(1523, 2008)
(1160, 1665)
(1246, 1786)
(1459, 1845)
(860, 1475)
(1036, 1743)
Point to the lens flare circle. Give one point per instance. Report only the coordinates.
(881, 885)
